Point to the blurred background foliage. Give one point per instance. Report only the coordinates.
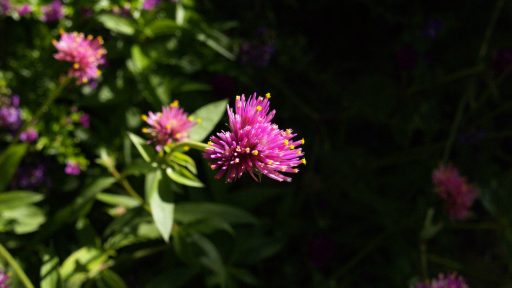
(382, 91)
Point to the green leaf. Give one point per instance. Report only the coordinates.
(215, 45)
(117, 200)
(162, 211)
(49, 271)
(24, 219)
(147, 152)
(161, 27)
(184, 160)
(183, 177)
(211, 259)
(117, 24)
(15, 199)
(140, 60)
(9, 161)
(193, 211)
(210, 115)
(109, 279)
(81, 265)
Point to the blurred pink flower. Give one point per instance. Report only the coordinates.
(444, 281)
(72, 168)
(3, 279)
(29, 135)
(254, 144)
(170, 125)
(24, 9)
(86, 54)
(150, 4)
(53, 11)
(455, 191)
(85, 120)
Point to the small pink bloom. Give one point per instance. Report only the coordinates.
(254, 144)
(150, 4)
(170, 125)
(72, 168)
(53, 11)
(85, 120)
(30, 135)
(24, 10)
(445, 281)
(455, 191)
(86, 54)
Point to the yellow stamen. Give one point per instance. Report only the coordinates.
(199, 120)
(247, 150)
(175, 103)
(255, 152)
(213, 166)
(295, 170)
(210, 143)
(269, 162)
(237, 98)
(283, 169)
(100, 39)
(302, 141)
(61, 31)
(89, 37)
(268, 95)
(258, 108)
(145, 130)
(178, 135)
(285, 142)
(237, 160)
(303, 161)
(298, 152)
(144, 117)
(168, 126)
(54, 42)
(292, 147)
(288, 131)
(76, 65)
(186, 148)
(85, 80)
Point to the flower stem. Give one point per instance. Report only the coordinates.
(128, 187)
(15, 266)
(49, 101)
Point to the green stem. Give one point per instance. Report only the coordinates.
(455, 127)
(190, 144)
(128, 187)
(15, 266)
(49, 101)
(490, 29)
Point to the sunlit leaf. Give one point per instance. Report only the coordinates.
(209, 116)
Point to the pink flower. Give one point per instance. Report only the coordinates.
(150, 4)
(86, 54)
(254, 144)
(454, 189)
(30, 135)
(170, 125)
(72, 168)
(53, 11)
(85, 120)
(24, 9)
(445, 281)
(3, 279)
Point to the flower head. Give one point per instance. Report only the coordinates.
(86, 54)
(444, 281)
(30, 176)
(30, 135)
(53, 11)
(10, 113)
(72, 168)
(454, 189)
(5, 7)
(85, 120)
(24, 9)
(254, 144)
(150, 4)
(3, 280)
(168, 126)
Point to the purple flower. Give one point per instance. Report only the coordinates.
(86, 54)
(30, 135)
(30, 176)
(407, 58)
(254, 144)
(170, 125)
(444, 281)
(433, 28)
(150, 4)
(85, 120)
(5, 6)
(24, 9)
(72, 168)
(10, 113)
(53, 11)
(455, 191)
(3, 279)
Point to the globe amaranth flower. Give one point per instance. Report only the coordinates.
(150, 4)
(24, 9)
(10, 113)
(72, 168)
(3, 279)
(444, 281)
(30, 135)
(53, 11)
(454, 190)
(86, 54)
(85, 120)
(30, 176)
(170, 125)
(254, 144)
(5, 7)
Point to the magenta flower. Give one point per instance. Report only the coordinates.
(455, 191)
(3, 280)
(30, 135)
(85, 120)
(445, 281)
(170, 125)
(24, 10)
(10, 113)
(5, 7)
(53, 11)
(86, 54)
(150, 4)
(72, 168)
(254, 144)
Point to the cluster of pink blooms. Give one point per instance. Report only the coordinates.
(72, 168)
(3, 280)
(168, 126)
(455, 191)
(53, 11)
(444, 281)
(254, 144)
(86, 54)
